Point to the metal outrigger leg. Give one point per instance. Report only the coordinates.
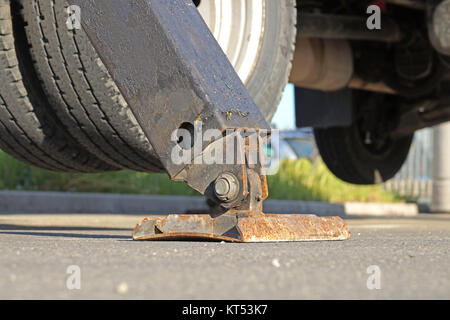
(174, 75)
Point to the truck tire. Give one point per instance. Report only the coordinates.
(91, 107)
(351, 155)
(28, 129)
(80, 90)
(261, 56)
(345, 155)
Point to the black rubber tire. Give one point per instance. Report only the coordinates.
(87, 101)
(274, 65)
(28, 129)
(345, 154)
(80, 89)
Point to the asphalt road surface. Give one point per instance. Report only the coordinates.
(406, 258)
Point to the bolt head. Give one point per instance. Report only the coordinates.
(222, 187)
(226, 187)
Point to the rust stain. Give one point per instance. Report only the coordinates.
(264, 188)
(296, 227)
(256, 228)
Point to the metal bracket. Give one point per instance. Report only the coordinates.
(244, 225)
(232, 228)
(245, 222)
(173, 75)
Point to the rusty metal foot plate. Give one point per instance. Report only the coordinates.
(235, 228)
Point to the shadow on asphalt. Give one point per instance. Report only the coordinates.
(40, 232)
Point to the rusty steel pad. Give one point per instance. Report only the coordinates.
(237, 228)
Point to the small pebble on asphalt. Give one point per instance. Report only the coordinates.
(276, 263)
(122, 288)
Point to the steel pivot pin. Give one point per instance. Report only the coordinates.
(226, 187)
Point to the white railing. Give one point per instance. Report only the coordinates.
(415, 178)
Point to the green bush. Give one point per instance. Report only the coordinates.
(303, 180)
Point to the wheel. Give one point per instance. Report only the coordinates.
(80, 90)
(28, 129)
(258, 36)
(364, 153)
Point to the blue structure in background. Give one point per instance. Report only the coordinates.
(294, 143)
(284, 118)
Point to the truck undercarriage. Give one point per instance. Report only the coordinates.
(371, 86)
